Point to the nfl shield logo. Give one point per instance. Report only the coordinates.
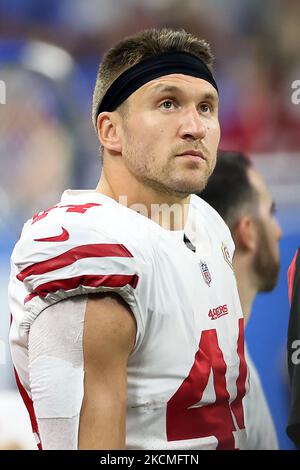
(205, 273)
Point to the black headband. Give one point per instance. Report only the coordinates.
(148, 69)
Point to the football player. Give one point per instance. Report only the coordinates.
(114, 337)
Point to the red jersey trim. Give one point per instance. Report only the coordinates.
(111, 280)
(291, 276)
(29, 405)
(29, 297)
(74, 254)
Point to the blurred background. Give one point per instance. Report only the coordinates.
(49, 55)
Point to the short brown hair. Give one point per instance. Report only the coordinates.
(134, 49)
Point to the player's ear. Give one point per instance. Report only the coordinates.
(107, 125)
(245, 234)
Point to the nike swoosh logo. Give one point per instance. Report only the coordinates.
(58, 238)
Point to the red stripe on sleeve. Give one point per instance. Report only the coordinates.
(291, 276)
(75, 254)
(112, 280)
(29, 297)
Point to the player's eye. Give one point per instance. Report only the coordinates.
(205, 107)
(167, 104)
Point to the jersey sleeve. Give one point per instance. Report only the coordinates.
(293, 353)
(55, 262)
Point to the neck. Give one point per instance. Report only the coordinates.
(167, 210)
(245, 283)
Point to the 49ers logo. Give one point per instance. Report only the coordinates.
(218, 312)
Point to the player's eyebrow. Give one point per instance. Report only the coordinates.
(208, 96)
(161, 88)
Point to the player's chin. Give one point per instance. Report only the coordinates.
(191, 185)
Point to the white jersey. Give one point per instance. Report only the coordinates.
(261, 433)
(187, 374)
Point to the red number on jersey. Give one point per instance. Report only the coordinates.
(79, 208)
(187, 418)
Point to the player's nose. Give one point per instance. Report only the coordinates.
(193, 125)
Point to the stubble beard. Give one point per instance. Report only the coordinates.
(266, 267)
(161, 179)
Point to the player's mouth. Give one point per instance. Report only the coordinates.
(195, 155)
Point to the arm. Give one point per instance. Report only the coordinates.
(95, 334)
(108, 339)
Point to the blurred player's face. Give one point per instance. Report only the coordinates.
(267, 256)
(170, 134)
